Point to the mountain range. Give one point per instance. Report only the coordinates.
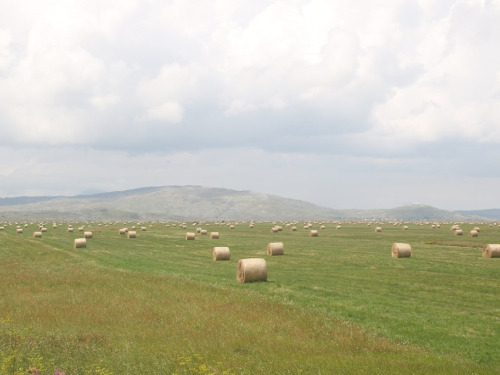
(205, 203)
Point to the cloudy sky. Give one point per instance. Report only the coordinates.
(347, 104)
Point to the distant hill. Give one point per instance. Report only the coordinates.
(491, 214)
(196, 202)
(23, 200)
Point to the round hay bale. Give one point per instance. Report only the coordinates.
(214, 235)
(458, 232)
(275, 248)
(338, 227)
(37, 234)
(274, 230)
(231, 226)
(322, 227)
(294, 229)
(401, 250)
(280, 229)
(250, 226)
(87, 235)
(70, 230)
(491, 251)
(313, 233)
(190, 236)
(44, 230)
(433, 226)
(252, 269)
(19, 230)
(405, 227)
(143, 229)
(221, 253)
(477, 229)
(473, 233)
(2, 228)
(132, 234)
(79, 243)
(198, 230)
(203, 232)
(378, 229)
(122, 231)
(80, 229)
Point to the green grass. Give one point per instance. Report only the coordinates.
(337, 303)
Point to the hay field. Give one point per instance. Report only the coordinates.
(336, 303)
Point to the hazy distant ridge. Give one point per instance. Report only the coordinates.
(196, 202)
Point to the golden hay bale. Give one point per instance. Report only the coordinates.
(280, 229)
(70, 230)
(79, 243)
(313, 233)
(477, 229)
(378, 229)
(274, 230)
(433, 226)
(189, 236)
(143, 229)
(252, 269)
(122, 231)
(275, 248)
(87, 235)
(214, 235)
(19, 230)
(322, 227)
(458, 232)
(473, 233)
(44, 229)
(339, 227)
(37, 234)
(80, 229)
(401, 250)
(198, 230)
(491, 251)
(294, 229)
(2, 228)
(231, 226)
(250, 226)
(132, 234)
(405, 227)
(221, 253)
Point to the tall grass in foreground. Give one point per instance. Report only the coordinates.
(159, 304)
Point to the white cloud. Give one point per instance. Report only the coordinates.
(458, 96)
(170, 112)
(6, 55)
(104, 102)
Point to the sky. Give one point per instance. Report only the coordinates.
(346, 104)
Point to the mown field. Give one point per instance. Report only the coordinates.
(333, 304)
